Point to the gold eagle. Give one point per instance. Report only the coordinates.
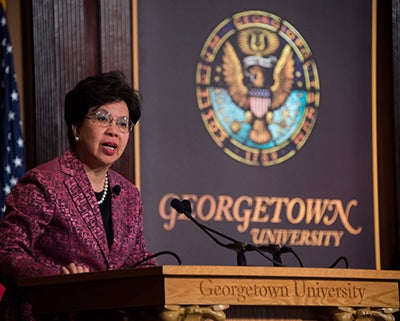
(249, 88)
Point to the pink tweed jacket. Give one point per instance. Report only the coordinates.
(53, 219)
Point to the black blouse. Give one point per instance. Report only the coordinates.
(105, 209)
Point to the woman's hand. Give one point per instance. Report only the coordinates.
(73, 268)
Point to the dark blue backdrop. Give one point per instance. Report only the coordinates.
(332, 170)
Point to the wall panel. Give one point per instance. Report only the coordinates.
(73, 39)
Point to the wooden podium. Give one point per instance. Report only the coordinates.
(178, 293)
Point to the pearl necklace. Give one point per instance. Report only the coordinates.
(105, 190)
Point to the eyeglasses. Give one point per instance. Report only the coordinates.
(104, 119)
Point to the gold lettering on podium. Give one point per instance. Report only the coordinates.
(240, 292)
(315, 290)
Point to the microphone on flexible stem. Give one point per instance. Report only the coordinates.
(116, 190)
(239, 247)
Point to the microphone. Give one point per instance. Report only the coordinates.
(178, 206)
(116, 190)
(184, 207)
(239, 247)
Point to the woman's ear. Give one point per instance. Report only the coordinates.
(75, 131)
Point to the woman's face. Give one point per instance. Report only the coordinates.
(98, 146)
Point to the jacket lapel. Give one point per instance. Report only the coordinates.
(83, 196)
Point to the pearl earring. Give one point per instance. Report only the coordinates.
(76, 138)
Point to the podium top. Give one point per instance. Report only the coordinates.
(219, 271)
(205, 285)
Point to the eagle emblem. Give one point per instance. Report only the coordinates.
(257, 88)
(261, 82)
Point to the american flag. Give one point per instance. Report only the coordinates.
(11, 141)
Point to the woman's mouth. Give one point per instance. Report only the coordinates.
(109, 148)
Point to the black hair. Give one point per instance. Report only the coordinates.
(97, 91)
